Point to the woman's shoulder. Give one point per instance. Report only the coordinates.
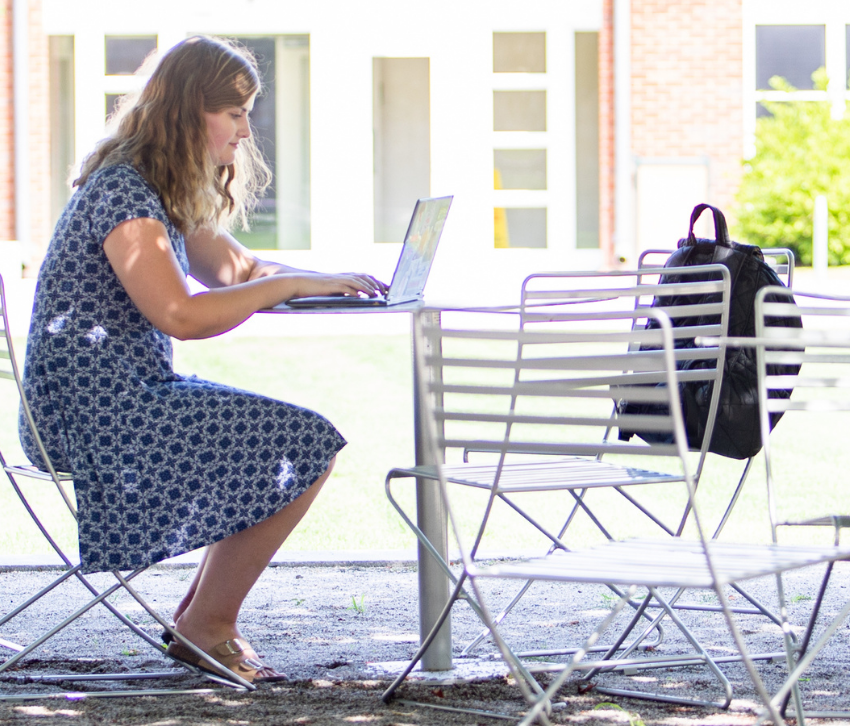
(118, 192)
(115, 176)
(121, 185)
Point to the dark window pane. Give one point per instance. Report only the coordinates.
(112, 100)
(519, 110)
(263, 233)
(125, 55)
(791, 51)
(519, 168)
(519, 52)
(281, 125)
(263, 115)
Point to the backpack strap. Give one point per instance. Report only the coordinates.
(721, 231)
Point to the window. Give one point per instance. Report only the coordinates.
(587, 140)
(521, 154)
(519, 168)
(519, 52)
(776, 44)
(524, 227)
(281, 125)
(124, 59)
(401, 126)
(519, 110)
(61, 74)
(124, 55)
(793, 52)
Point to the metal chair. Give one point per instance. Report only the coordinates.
(620, 299)
(62, 482)
(559, 297)
(815, 362)
(494, 386)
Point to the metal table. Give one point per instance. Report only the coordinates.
(430, 513)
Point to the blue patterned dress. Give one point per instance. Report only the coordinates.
(162, 463)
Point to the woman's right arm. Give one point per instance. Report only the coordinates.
(143, 259)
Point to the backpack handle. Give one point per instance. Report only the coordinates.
(721, 231)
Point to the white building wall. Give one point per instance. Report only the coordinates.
(457, 36)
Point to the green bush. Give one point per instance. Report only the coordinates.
(801, 151)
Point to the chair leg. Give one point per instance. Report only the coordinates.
(228, 678)
(804, 657)
(24, 605)
(71, 618)
(74, 570)
(526, 681)
(556, 543)
(734, 499)
(388, 693)
(545, 701)
(708, 661)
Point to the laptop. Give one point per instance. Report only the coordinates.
(414, 262)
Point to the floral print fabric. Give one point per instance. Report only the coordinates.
(162, 463)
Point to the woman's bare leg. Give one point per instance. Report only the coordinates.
(232, 566)
(190, 593)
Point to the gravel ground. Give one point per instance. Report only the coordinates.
(342, 631)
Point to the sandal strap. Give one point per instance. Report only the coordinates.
(229, 648)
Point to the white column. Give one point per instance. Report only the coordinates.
(624, 218)
(20, 61)
(820, 237)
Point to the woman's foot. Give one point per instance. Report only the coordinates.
(235, 654)
(223, 643)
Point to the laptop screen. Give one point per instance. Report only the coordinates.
(419, 249)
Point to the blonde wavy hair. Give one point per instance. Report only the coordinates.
(163, 134)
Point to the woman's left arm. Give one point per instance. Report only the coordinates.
(217, 259)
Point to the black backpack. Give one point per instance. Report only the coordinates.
(737, 432)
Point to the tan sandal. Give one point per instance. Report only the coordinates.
(234, 654)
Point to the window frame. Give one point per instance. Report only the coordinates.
(834, 17)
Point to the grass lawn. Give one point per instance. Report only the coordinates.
(363, 385)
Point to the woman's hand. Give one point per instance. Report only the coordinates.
(309, 284)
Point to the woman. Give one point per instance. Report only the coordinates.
(164, 464)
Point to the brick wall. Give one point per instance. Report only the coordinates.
(687, 86)
(7, 146)
(39, 141)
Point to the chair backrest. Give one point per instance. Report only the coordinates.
(488, 385)
(781, 260)
(814, 362)
(494, 384)
(11, 371)
(8, 364)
